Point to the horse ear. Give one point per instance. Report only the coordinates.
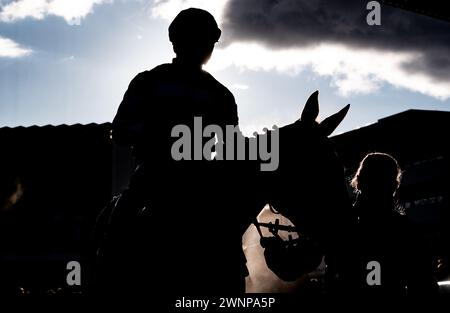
(329, 124)
(311, 109)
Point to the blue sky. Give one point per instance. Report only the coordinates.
(64, 61)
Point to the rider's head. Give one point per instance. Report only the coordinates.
(193, 34)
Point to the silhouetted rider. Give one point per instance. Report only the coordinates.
(185, 199)
(174, 93)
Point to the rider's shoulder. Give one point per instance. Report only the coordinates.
(218, 85)
(154, 72)
(148, 77)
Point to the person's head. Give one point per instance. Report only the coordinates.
(193, 34)
(11, 190)
(378, 175)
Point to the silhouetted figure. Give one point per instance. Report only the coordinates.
(385, 235)
(174, 93)
(166, 230)
(178, 226)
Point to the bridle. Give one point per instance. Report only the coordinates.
(291, 258)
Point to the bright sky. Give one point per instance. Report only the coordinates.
(65, 61)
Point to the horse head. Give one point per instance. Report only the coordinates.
(308, 187)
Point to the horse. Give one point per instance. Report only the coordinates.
(308, 191)
(199, 252)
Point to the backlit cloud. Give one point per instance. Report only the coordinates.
(285, 24)
(71, 10)
(11, 49)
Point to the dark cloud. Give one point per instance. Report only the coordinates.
(297, 23)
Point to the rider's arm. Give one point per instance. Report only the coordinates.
(128, 124)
